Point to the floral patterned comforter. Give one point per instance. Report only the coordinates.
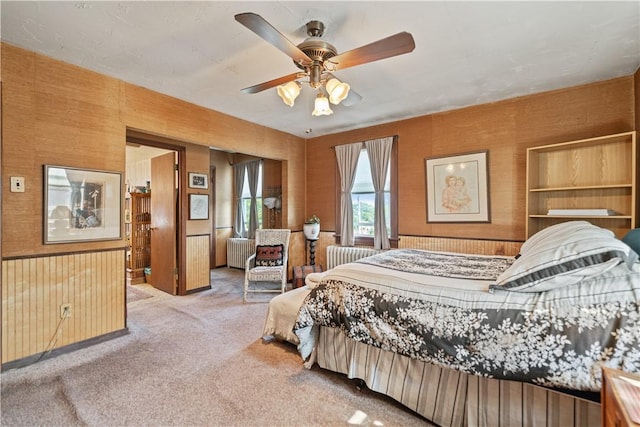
(436, 307)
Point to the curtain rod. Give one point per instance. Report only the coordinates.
(248, 161)
(395, 138)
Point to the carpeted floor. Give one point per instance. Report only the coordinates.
(136, 293)
(197, 360)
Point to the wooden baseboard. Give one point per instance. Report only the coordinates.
(30, 360)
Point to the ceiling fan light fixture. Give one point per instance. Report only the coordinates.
(337, 90)
(322, 106)
(289, 92)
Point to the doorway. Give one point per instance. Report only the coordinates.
(154, 173)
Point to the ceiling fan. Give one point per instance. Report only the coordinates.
(318, 59)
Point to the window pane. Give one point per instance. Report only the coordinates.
(363, 213)
(362, 183)
(363, 198)
(246, 198)
(245, 186)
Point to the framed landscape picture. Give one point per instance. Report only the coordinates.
(458, 188)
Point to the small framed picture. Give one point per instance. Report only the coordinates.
(458, 188)
(198, 180)
(198, 206)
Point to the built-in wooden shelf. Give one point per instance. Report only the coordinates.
(138, 230)
(594, 173)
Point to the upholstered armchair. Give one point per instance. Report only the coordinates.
(269, 262)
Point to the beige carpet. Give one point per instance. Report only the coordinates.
(197, 360)
(137, 292)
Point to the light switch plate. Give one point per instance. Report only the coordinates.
(17, 184)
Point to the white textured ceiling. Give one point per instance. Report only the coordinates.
(466, 53)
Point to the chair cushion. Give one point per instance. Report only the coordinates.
(265, 274)
(269, 255)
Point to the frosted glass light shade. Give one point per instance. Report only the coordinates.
(289, 92)
(322, 106)
(337, 90)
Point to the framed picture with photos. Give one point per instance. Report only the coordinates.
(198, 180)
(457, 188)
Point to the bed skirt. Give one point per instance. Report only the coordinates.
(450, 398)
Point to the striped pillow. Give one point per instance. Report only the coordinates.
(564, 257)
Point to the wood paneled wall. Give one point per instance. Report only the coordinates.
(34, 288)
(56, 113)
(198, 262)
(505, 128)
(636, 86)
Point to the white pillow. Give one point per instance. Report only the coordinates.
(560, 232)
(563, 257)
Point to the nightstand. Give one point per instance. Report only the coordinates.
(300, 272)
(614, 407)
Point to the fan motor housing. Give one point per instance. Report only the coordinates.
(317, 49)
(314, 47)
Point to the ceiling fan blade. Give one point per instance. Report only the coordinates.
(397, 44)
(261, 27)
(271, 83)
(351, 99)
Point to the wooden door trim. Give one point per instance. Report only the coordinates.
(212, 217)
(181, 219)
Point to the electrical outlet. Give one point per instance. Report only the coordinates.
(65, 311)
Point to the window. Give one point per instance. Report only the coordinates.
(363, 199)
(246, 198)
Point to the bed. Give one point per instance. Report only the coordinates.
(482, 340)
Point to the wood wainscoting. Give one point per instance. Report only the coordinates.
(467, 246)
(198, 276)
(35, 288)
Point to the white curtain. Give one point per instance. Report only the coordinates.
(253, 169)
(379, 152)
(347, 156)
(238, 224)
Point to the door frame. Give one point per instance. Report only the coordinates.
(212, 218)
(183, 203)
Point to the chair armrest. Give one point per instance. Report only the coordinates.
(249, 264)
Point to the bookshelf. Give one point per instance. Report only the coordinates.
(138, 231)
(588, 174)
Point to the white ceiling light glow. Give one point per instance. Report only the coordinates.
(337, 90)
(289, 92)
(322, 106)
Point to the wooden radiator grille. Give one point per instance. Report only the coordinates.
(33, 289)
